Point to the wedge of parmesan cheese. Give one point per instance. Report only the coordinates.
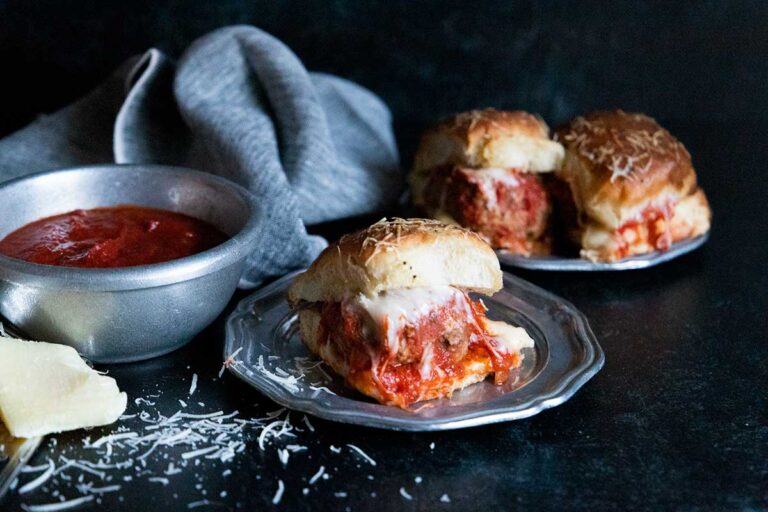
(47, 388)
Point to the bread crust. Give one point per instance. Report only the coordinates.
(399, 253)
(692, 216)
(617, 163)
(487, 138)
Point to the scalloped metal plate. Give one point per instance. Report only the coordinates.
(262, 334)
(581, 265)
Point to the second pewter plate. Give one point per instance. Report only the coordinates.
(559, 263)
(575, 264)
(264, 349)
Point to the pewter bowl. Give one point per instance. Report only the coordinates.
(132, 313)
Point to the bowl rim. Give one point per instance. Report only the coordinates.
(136, 277)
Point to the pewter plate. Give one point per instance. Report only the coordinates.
(582, 265)
(263, 346)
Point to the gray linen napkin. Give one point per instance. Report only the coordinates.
(312, 147)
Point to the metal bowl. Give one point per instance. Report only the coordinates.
(131, 313)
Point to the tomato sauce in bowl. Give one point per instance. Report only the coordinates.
(119, 236)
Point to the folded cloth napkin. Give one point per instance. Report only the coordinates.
(312, 147)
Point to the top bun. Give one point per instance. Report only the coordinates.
(399, 253)
(490, 138)
(617, 162)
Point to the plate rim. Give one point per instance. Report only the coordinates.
(567, 384)
(642, 261)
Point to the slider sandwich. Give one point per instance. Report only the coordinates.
(482, 170)
(627, 187)
(388, 309)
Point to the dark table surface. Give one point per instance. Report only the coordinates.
(677, 418)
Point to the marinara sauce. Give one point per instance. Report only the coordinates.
(119, 236)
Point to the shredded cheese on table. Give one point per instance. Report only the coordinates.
(279, 493)
(153, 446)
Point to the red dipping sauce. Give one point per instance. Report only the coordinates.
(120, 236)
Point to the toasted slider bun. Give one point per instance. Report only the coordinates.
(399, 253)
(482, 139)
(617, 162)
(490, 139)
(618, 165)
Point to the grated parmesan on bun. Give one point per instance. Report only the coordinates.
(399, 253)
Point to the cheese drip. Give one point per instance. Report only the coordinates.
(398, 307)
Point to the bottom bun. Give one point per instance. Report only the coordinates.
(689, 218)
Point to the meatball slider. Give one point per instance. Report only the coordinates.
(632, 184)
(387, 308)
(481, 169)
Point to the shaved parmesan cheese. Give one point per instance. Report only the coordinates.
(198, 453)
(63, 505)
(40, 480)
(364, 455)
(111, 438)
(279, 493)
(317, 476)
(88, 488)
(34, 469)
(193, 385)
(47, 388)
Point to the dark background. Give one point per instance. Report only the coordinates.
(685, 63)
(677, 419)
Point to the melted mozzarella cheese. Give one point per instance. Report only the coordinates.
(395, 308)
(511, 339)
(398, 307)
(486, 180)
(497, 174)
